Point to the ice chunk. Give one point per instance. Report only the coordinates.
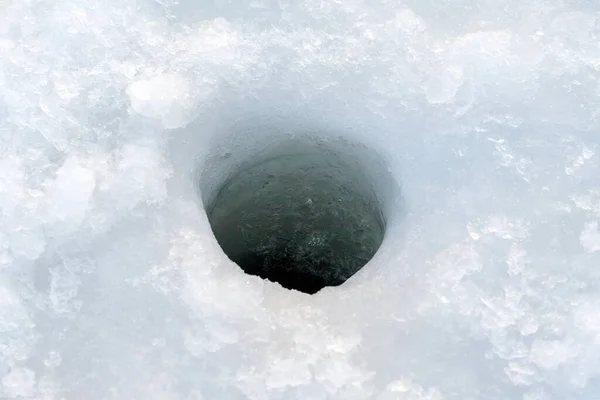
(168, 98)
(70, 194)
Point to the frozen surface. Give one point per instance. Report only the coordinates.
(113, 287)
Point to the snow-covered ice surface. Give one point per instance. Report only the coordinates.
(113, 287)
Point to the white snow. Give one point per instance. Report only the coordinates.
(163, 97)
(487, 113)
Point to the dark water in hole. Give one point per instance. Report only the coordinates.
(305, 217)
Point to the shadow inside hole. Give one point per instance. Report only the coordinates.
(304, 214)
(280, 266)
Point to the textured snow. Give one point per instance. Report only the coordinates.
(112, 285)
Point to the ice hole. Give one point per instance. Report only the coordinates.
(304, 213)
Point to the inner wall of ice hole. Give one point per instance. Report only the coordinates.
(302, 206)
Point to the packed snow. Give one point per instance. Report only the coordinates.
(487, 114)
